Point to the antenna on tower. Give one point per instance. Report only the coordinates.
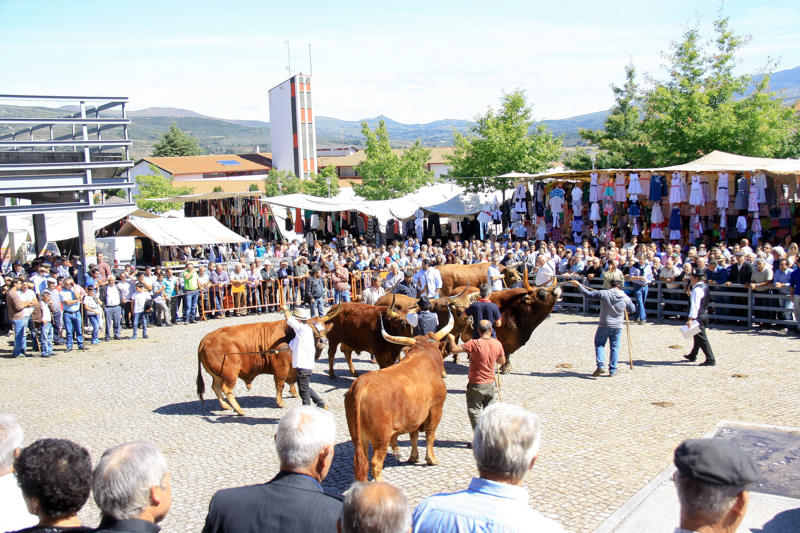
(310, 69)
(288, 57)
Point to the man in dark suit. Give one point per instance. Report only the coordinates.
(293, 501)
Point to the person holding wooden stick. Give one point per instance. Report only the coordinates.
(613, 305)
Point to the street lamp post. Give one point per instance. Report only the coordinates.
(328, 180)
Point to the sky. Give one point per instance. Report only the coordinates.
(412, 61)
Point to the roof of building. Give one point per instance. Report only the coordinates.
(204, 164)
(437, 157)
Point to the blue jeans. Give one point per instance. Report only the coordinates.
(640, 295)
(74, 323)
(46, 340)
(20, 335)
(605, 334)
(316, 305)
(341, 295)
(143, 317)
(94, 320)
(113, 318)
(189, 306)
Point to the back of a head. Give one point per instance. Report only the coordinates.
(705, 501)
(506, 440)
(302, 433)
(376, 507)
(11, 439)
(58, 473)
(124, 476)
(616, 283)
(485, 289)
(484, 327)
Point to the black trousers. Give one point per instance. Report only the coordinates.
(306, 392)
(701, 341)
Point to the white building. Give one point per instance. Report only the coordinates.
(294, 138)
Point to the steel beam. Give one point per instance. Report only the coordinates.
(84, 143)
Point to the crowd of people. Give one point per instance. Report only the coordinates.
(44, 485)
(263, 278)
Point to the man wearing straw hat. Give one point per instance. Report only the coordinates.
(613, 304)
(303, 351)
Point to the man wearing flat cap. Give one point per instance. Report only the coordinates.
(712, 477)
(698, 310)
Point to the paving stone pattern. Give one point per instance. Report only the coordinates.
(603, 439)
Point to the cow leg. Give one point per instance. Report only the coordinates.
(279, 384)
(348, 356)
(293, 390)
(379, 450)
(216, 385)
(506, 368)
(333, 345)
(395, 447)
(414, 437)
(228, 390)
(430, 434)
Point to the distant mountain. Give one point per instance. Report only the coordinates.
(165, 112)
(786, 83)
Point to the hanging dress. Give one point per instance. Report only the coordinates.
(742, 188)
(633, 210)
(761, 187)
(644, 183)
(675, 189)
(752, 204)
(657, 216)
(696, 195)
(608, 185)
(619, 194)
(656, 183)
(577, 197)
(634, 188)
(593, 188)
(594, 215)
(705, 189)
(723, 198)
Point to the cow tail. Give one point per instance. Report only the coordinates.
(360, 461)
(201, 385)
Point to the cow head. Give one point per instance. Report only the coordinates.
(511, 275)
(396, 320)
(538, 302)
(320, 327)
(457, 304)
(412, 341)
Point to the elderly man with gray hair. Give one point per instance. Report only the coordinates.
(293, 501)
(132, 489)
(376, 507)
(14, 513)
(505, 447)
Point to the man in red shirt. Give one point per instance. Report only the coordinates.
(484, 354)
(103, 270)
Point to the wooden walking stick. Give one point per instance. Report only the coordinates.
(630, 350)
(497, 382)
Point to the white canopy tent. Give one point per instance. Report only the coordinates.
(62, 226)
(181, 231)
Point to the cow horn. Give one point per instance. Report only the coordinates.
(525, 281)
(330, 316)
(390, 311)
(513, 265)
(403, 341)
(442, 333)
(454, 298)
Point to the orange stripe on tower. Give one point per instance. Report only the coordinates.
(295, 139)
(302, 115)
(305, 165)
(293, 94)
(308, 115)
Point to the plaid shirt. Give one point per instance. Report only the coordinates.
(404, 288)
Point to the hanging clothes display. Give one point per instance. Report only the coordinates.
(634, 189)
(418, 216)
(705, 189)
(619, 194)
(577, 198)
(675, 224)
(656, 184)
(556, 205)
(520, 194)
(752, 204)
(696, 195)
(594, 214)
(594, 186)
(723, 198)
(742, 193)
(756, 229)
(741, 224)
(675, 189)
(761, 187)
(289, 223)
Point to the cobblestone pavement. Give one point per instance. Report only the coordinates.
(603, 439)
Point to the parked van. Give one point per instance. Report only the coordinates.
(119, 251)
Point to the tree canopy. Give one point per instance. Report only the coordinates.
(700, 107)
(176, 143)
(502, 141)
(279, 182)
(385, 175)
(317, 184)
(158, 186)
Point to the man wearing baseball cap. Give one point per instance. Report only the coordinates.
(712, 477)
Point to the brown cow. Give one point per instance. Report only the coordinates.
(404, 398)
(522, 310)
(443, 307)
(474, 275)
(248, 350)
(357, 329)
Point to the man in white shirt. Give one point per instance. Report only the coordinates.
(372, 293)
(428, 280)
(493, 275)
(14, 513)
(112, 297)
(303, 349)
(698, 310)
(546, 273)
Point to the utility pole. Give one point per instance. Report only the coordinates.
(310, 68)
(288, 57)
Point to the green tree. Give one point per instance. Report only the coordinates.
(581, 159)
(253, 187)
(623, 142)
(317, 184)
(386, 175)
(158, 186)
(175, 143)
(279, 182)
(700, 107)
(502, 142)
(217, 189)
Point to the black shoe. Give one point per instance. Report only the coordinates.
(469, 445)
(107, 339)
(708, 363)
(690, 358)
(170, 325)
(597, 372)
(117, 338)
(68, 350)
(145, 336)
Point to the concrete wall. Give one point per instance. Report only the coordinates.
(280, 123)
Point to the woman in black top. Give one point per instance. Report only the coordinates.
(55, 476)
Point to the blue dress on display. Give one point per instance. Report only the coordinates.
(675, 219)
